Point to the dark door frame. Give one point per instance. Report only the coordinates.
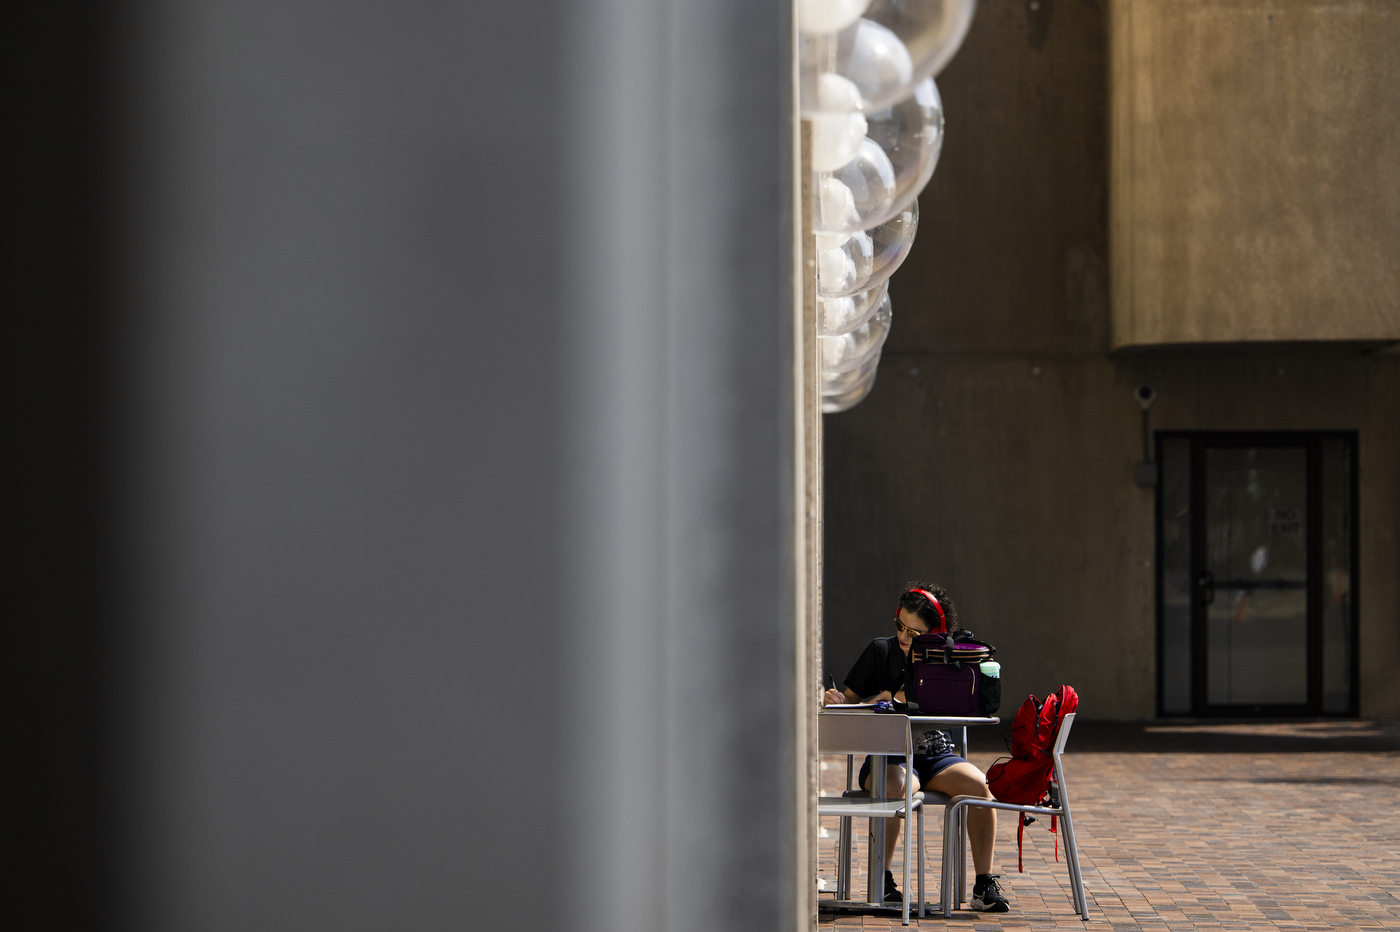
(1310, 440)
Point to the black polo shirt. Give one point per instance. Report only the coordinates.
(880, 668)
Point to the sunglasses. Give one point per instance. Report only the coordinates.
(914, 632)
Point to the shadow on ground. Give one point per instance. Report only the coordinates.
(1167, 737)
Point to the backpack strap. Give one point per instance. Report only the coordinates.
(949, 638)
(1020, 842)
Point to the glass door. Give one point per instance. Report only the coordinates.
(1256, 570)
(1252, 584)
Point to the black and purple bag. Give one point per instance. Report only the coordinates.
(943, 676)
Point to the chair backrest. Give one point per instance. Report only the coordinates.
(1063, 736)
(862, 733)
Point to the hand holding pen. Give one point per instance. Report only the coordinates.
(833, 696)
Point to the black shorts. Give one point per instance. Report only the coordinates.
(927, 766)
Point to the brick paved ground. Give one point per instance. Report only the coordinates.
(1217, 827)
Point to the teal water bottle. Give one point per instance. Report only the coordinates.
(989, 691)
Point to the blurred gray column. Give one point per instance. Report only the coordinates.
(451, 553)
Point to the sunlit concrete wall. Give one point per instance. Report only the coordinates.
(1256, 170)
(996, 453)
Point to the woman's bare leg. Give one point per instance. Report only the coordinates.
(966, 780)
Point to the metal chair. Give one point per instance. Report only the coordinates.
(954, 815)
(865, 733)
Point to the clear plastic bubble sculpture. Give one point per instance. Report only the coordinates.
(849, 265)
(845, 391)
(837, 316)
(835, 404)
(886, 166)
(851, 350)
(838, 383)
(883, 48)
(822, 16)
(838, 131)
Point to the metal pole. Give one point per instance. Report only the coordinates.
(844, 840)
(962, 834)
(960, 839)
(921, 861)
(1081, 902)
(875, 879)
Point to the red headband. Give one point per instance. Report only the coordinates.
(942, 619)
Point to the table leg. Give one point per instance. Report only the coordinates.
(843, 849)
(962, 835)
(961, 896)
(875, 879)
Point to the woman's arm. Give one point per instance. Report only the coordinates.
(832, 697)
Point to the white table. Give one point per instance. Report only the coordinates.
(875, 876)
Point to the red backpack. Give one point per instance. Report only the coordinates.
(1024, 778)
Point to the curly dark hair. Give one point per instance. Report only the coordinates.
(920, 605)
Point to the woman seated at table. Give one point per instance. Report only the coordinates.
(879, 674)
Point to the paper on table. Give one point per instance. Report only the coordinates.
(852, 706)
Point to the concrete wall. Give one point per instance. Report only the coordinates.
(1009, 479)
(1256, 170)
(996, 452)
